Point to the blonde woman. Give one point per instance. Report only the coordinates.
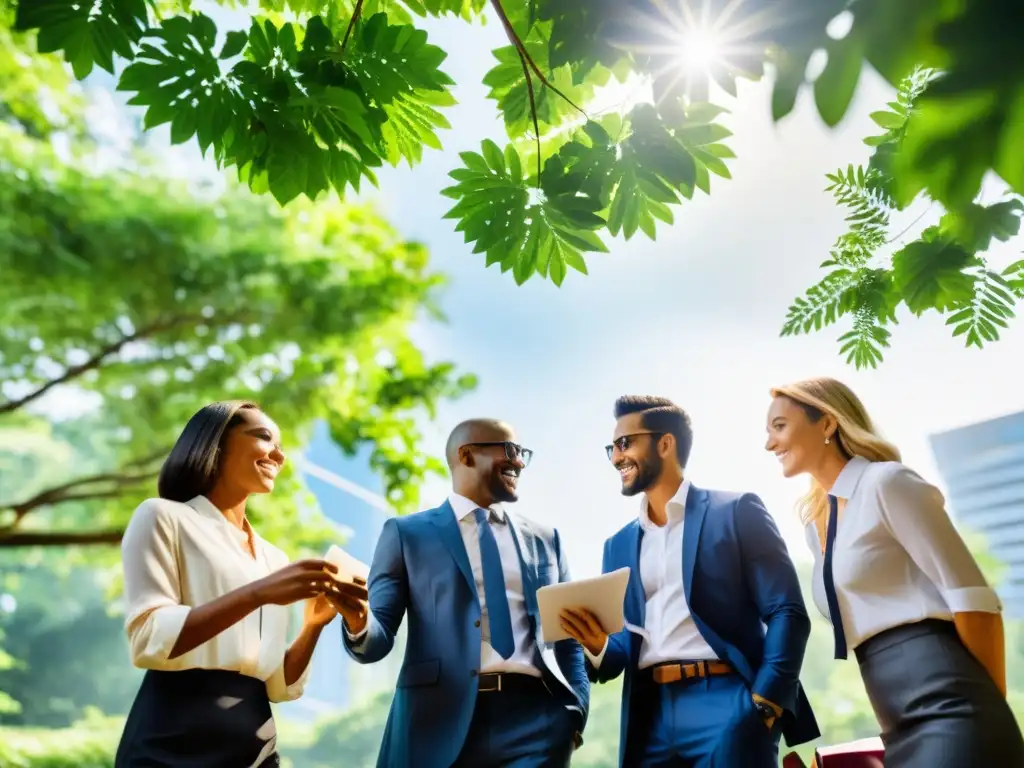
(903, 592)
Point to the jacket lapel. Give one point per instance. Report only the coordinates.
(526, 548)
(636, 601)
(448, 530)
(696, 511)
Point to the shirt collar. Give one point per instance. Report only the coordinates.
(846, 483)
(463, 508)
(206, 508)
(675, 509)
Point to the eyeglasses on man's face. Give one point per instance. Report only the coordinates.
(513, 451)
(624, 442)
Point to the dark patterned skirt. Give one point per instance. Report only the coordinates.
(200, 718)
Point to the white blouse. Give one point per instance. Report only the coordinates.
(898, 559)
(177, 556)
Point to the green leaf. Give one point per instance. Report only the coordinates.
(887, 120)
(88, 33)
(974, 226)
(928, 274)
(494, 211)
(835, 86)
(234, 43)
(988, 309)
(508, 87)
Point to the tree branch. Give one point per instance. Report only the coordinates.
(111, 485)
(14, 539)
(514, 38)
(74, 371)
(356, 12)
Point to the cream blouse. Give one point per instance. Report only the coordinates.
(177, 556)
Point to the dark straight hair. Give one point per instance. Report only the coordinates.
(193, 464)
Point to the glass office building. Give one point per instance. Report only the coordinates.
(982, 466)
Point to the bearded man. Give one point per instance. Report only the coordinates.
(715, 622)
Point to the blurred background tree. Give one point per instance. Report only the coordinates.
(131, 297)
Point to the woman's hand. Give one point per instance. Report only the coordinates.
(301, 580)
(318, 612)
(351, 601)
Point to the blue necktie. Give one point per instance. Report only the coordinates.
(498, 615)
(830, 585)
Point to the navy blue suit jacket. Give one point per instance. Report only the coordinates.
(745, 599)
(421, 570)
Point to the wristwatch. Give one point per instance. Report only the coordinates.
(766, 712)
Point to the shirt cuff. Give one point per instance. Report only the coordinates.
(357, 641)
(278, 691)
(153, 638)
(595, 661)
(967, 599)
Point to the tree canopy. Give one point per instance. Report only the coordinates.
(316, 96)
(130, 299)
(312, 97)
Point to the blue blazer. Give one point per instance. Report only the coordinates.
(420, 569)
(744, 596)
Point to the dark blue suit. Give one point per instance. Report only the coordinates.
(745, 599)
(420, 568)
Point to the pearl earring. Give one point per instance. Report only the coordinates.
(827, 441)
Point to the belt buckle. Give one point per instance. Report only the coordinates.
(495, 688)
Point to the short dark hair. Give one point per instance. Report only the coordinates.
(659, 414)
(193, 464)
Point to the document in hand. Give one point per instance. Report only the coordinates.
(349, 569)
(603, 596)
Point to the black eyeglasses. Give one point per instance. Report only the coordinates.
(623, 443)
(513, 451)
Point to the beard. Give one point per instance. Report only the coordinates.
(500, 491)
(647, 471)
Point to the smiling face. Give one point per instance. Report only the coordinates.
(634, 453)
(252, 456)
(796, 435)
(492, 461)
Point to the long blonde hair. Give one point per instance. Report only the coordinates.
(855, 434)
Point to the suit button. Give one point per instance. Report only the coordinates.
(476, 623)
(472, 673)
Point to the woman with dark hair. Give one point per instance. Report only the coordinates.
(207, 601)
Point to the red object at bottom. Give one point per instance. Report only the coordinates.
(866, 753)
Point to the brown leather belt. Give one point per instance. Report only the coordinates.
(673, 672)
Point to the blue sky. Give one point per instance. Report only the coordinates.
(693, 316)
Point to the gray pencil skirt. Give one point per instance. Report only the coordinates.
(936, 704)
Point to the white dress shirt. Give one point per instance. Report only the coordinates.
(670, 633)
(897, 557)
(522, 659)
(179, 556)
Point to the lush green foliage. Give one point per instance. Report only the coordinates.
(168, 297)
(315, 96)
(944, 269)
(89, 744)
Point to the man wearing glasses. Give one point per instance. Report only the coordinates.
(477, 688)
(716, 625)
